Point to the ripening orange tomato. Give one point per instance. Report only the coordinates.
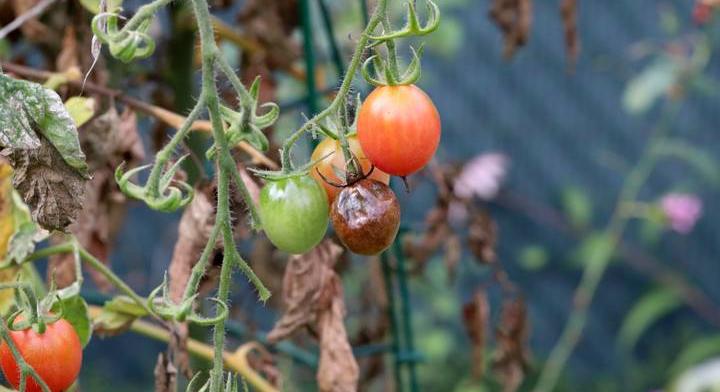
(337, 161)
(399, 129)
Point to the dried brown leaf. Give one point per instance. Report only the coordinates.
(313, 294)
(53, 190)
(177, 348)
(568, 12)
(68, 57)
(108, 140)
(512, 356)
(194, 230)
(513, 18)
(453, 254)
(482, 236)
(305, 277)
(337, 371)
(165, 375)
(476, 315)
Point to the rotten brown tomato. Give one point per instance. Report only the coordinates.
(366, 216)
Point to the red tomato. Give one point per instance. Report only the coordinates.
(399, 129)
(336, 161)
(56, 356)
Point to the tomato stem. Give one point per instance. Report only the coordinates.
(355, 61)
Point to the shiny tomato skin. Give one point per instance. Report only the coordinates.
(399, 129)
(336, 161)
(366, 217)
(294, 213)
(56, 355)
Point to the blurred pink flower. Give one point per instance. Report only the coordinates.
(482, 176)
(682, 210)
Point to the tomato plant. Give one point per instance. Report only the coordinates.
(336, 162)
(294, 212)
(399, 129)
(293, 208)
(55, 355)
(366, 216)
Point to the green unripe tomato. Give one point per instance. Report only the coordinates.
(294, 213)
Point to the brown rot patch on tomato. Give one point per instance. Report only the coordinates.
(366, 216)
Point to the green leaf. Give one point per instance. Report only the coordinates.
(533, 257)
(27, 233)
(81, 109)
(447, 39)
(117, 315)
(75, 311)
(650, 308)
(28, 107)
(695, 352)
(577, 207)
(596, 248)
(94, 5)
(648, 86)
(669, 20)
(125, 305)
(705, 163)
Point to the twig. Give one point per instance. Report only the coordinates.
(235, 361)
(36, 10)
(168, 117)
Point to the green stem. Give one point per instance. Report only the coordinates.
(114, 279)
(392, 53)
(597, 264)
(199, 268)
(256, 222)
(246, 100)
(168, 150)
(66, 247)
(144, 12)
(375, 19)
(209, 53)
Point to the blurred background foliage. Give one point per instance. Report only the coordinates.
(570, 133)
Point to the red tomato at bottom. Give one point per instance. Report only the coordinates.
(399, 129)
(56, 356)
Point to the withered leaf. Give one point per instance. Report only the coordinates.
(337, 371)
(305, 277)
(165, 375)
(568, 12)
(482, 236)
(313, 295)
(68, 57)
(453, 254)
(53, 190)
(513, 18)
(512, 356)
(476, 315)
(193, 234)
(108, 140)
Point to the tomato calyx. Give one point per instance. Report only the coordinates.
(33, 312)
(385, 75)
(245, 123)
(354, 174)
(413, 27)
(164, 307)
